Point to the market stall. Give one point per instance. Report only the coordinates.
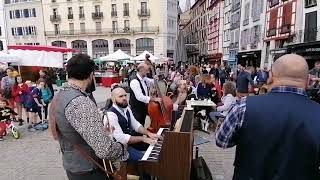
(142, 57)
(34, 58)
(110, 76)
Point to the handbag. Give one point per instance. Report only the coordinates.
(106, 165)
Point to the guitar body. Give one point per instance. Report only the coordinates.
(159, 119)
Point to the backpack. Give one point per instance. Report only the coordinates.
(41, 126)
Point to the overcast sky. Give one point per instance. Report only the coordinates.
(183, 4)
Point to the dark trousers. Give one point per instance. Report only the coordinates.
(140, 115)
(92, 175)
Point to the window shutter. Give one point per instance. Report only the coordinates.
(273, 19)
(287, 14)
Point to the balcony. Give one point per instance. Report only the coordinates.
(273, 3)
(126, 30)
(97, 15)
(235, 7)
(70, 16)
(234, 45)
(309, 4)
(235, 25)
(306, 35)
(245, 22)
(125, 13)
(271, 32)
(81, 16)
(285, 29)
(144, 12)
(114, 14)
(55, 18)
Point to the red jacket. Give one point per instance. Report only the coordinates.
(24, 89)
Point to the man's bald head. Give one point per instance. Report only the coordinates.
(290, 69)
(119, 97)
(143, 69)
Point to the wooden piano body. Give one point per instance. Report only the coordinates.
(174, 160)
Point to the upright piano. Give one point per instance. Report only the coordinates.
(170, 159)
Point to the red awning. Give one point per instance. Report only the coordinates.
(42, 48)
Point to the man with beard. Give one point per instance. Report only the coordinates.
(75, 120)
(127, 130)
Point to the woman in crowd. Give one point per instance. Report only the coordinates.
(48, 80)
(228, 100)
(19, 93)
(206, 89)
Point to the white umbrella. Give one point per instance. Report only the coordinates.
(116, 56)
(8, 58)
(142, 57)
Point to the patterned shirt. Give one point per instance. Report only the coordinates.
(82, 113)
(225, 137)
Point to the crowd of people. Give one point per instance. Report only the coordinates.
(278, 133)
(18, 96)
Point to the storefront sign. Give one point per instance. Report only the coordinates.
(313, 50)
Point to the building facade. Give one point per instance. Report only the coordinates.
(226, 34)
(251, 32)
(196, 33)
(98, 28)
(235, 14)
(282, 21)
(24, 22)
(215, 31)
(306, 40)
(3, 34)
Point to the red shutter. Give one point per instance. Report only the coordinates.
(287, 14)
(273, 19)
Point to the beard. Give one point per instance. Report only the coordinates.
(122, 105)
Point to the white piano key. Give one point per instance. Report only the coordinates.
(147, 153)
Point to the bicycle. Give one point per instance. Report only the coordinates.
(8, 125)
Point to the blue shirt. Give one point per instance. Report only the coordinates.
(235, 118)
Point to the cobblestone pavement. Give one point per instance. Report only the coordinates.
(36, 156)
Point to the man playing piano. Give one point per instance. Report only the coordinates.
(127, 129)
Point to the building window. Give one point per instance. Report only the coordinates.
(98, 27)
(246, 14)
(143, 44)
(126, 24)
(113, 10)
(310, 3)
(56, 29)
(311, 30)
(123, 44)
(81, 12)
(126, 9)
(34, 13)
(114, 26)
(71, 28)
(257, 9)
(144, 6)
(82, 27)
(286, 18)
(70, 10)
(273, 3)
(97, 8)
(272, 30)
(144, 24)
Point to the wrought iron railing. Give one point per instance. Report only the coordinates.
(55, 18)
(305, 35)
(97, 15)
(148, 29)
(143, 12)
(70, 16)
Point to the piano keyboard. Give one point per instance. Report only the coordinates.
(153, 151)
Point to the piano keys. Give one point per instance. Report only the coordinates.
(171, 158)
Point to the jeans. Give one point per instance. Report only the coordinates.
(134, 154)
(215, 115)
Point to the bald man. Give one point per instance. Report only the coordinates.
(139, 94)
(127, 130)
(277, 135)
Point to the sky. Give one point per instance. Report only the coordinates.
(183, 4)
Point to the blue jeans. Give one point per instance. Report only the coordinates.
(134, 154)
(215, 115)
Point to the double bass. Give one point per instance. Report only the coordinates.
(159, 112)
